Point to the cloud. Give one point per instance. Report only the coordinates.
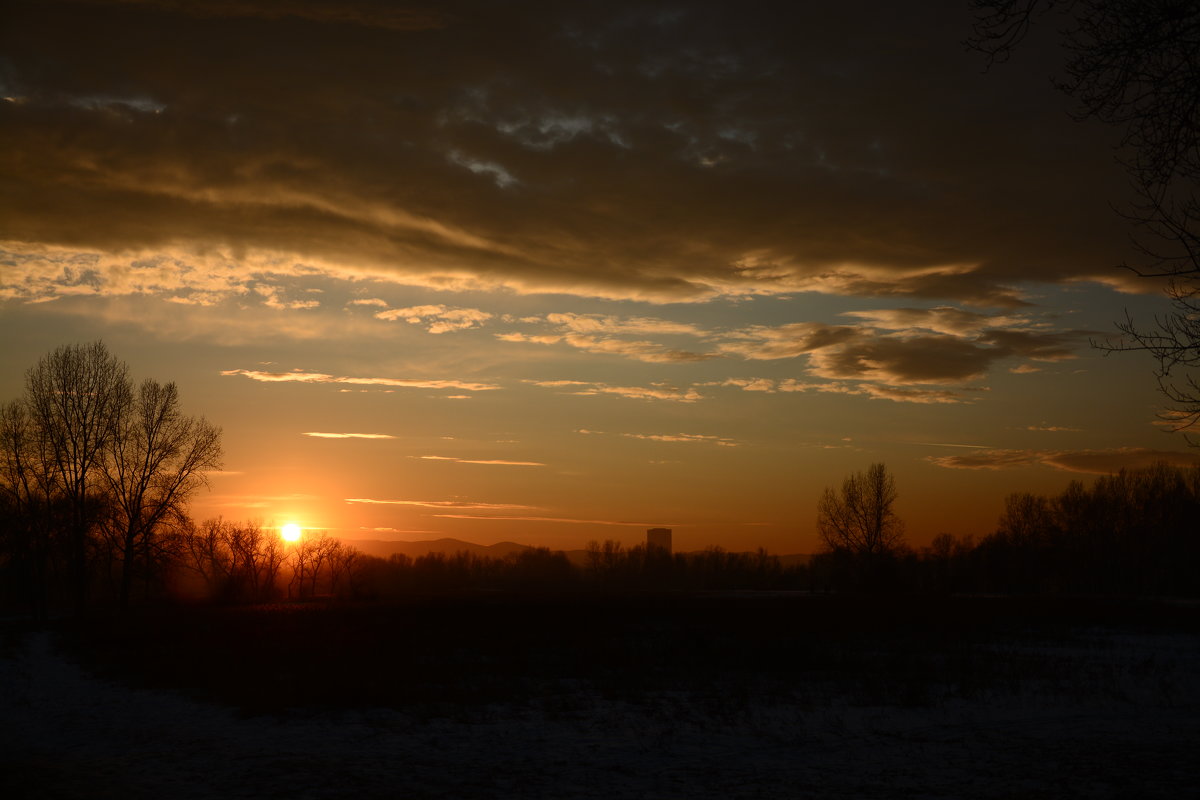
(1090, 461)
(691, 438)
(907, 354)
(551, 338)
(464, 505)
(319, 435)
(942, 319)
(933, 358)
(345, 12)
(898, 394)
(656, 391)
(786, 341)
(747, 384)
(564, 172)
(490, 462)
(601, 334)
(320, 377)
(439, 318)
(650, 352)
(368, 301)
(271, 299)
(563, 520)
(609, 324)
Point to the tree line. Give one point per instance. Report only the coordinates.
(1128, 533)
(96, 474)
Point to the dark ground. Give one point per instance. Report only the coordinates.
(624, 696)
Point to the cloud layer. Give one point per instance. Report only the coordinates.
(630, 150)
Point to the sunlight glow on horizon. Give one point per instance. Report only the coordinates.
(290, 532)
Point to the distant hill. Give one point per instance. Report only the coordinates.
(384, 549)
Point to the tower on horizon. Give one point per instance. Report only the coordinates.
(659, 538)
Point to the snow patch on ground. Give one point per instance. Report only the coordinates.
(1129, 729)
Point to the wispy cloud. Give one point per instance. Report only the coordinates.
(488, 461)
(1089, 461)
(273, 298)
(609, 324)
(746, 384)
(564, 520)
(322, 435)
(464, 505)
(438, 318)
(761, 342)
(604, 334)
(693, 438)
(639, 350)
(656, 391)
(297, 376)
(942, 319)
(896, 394)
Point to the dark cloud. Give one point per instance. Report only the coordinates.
(371, 14)
(626, 150)
(908, 354)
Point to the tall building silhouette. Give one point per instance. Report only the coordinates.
(658, 538)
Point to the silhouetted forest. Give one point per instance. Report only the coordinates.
(1129, 534)
(95, 477)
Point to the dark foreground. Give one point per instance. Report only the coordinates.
(617, 696)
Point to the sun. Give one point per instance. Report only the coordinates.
(290, 532)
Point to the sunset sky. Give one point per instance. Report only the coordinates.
(552, 272)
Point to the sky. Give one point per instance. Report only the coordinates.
(559, 272)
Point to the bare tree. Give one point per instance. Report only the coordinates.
(238, 562)
(859, 518)
(1135, 64)
(28, 490)
(74, 395)
(155, 461)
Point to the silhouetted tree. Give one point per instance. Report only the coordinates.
(1128, 533)
(859, 517)
(73, 398)
(27, 488)
(1135, 64)
(93, 474)
(155, 461)
(236, 562)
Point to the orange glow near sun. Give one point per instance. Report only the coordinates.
(290, 532)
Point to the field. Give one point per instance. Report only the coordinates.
(584, 695)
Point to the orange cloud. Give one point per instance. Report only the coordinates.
(459, 504)
(493, 462)
(440, 318)
(320, 377)
(320, 435)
